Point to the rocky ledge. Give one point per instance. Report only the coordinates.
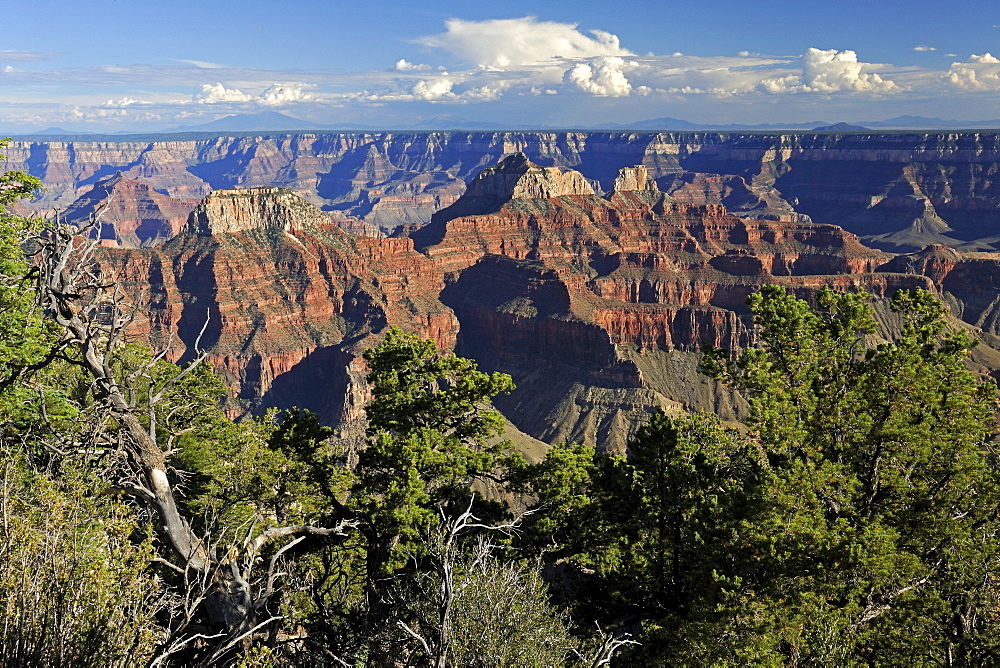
(263, 208)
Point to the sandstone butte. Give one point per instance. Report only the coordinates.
(597, 305)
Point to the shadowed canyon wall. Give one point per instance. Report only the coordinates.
(597, 305)
(897, 191)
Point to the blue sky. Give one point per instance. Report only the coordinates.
(127, 65)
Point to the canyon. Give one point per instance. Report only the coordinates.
(594, 293)
(896, 191)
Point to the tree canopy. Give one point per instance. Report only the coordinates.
(855, 521)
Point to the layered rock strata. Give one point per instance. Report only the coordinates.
(900, 191)
(285, 298)
(130, 212)
(596, 304)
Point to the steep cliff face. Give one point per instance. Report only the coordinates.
(898, 191)
(254, 209)
(602, 299)
(131, 213)
(597, 305)
(286, 298)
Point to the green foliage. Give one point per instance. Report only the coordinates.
(683, 492)
(561, 486)
(654, 537)
(16, 185)
(26, 336)
(856, 524)
(501, 615)
(75, 587)
(431, 434)
(880, 540)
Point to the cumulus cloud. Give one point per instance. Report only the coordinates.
(923, 47)
(486, 93)
(278, 94)
(123, 102)
(978, 73)
(215, 93)
(830, 71)
(403, 65)
(434, 89)
(274, 95)
(505, 43)
(603, 76)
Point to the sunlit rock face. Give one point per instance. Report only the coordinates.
(597, 305)
(899, 191)
(129, 212)
(262, 208)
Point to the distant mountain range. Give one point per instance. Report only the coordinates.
(272, 121)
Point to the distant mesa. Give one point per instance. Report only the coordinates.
(634, 178)
(841, 127)
(515, 177)
(55, 131)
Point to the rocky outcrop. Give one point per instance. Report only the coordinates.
(131, 213)
(262, 208)
(634, 178)
(900, 191)
(614, 293)
(286, 299)
(597, 305)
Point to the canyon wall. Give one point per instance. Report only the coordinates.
(896, 191)
(596, 304)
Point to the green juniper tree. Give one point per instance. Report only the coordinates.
(880, 540)
(856, 523)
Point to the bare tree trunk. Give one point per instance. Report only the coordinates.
(91, 309)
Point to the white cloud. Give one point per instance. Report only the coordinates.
(486, 93)
(274, 95)
(434, 89)
(978, 73)
(505, 43)
(278, 94)
(123, 102)
(403, 65)
(603, 76)
(923, 47)
(830, 71)
(215, 93)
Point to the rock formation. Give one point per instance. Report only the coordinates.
(900, 191)
(288, 297)
(597, 305)
(132, 214)
(254, 209)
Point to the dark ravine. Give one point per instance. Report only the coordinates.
(597, 305)
(897, 191)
